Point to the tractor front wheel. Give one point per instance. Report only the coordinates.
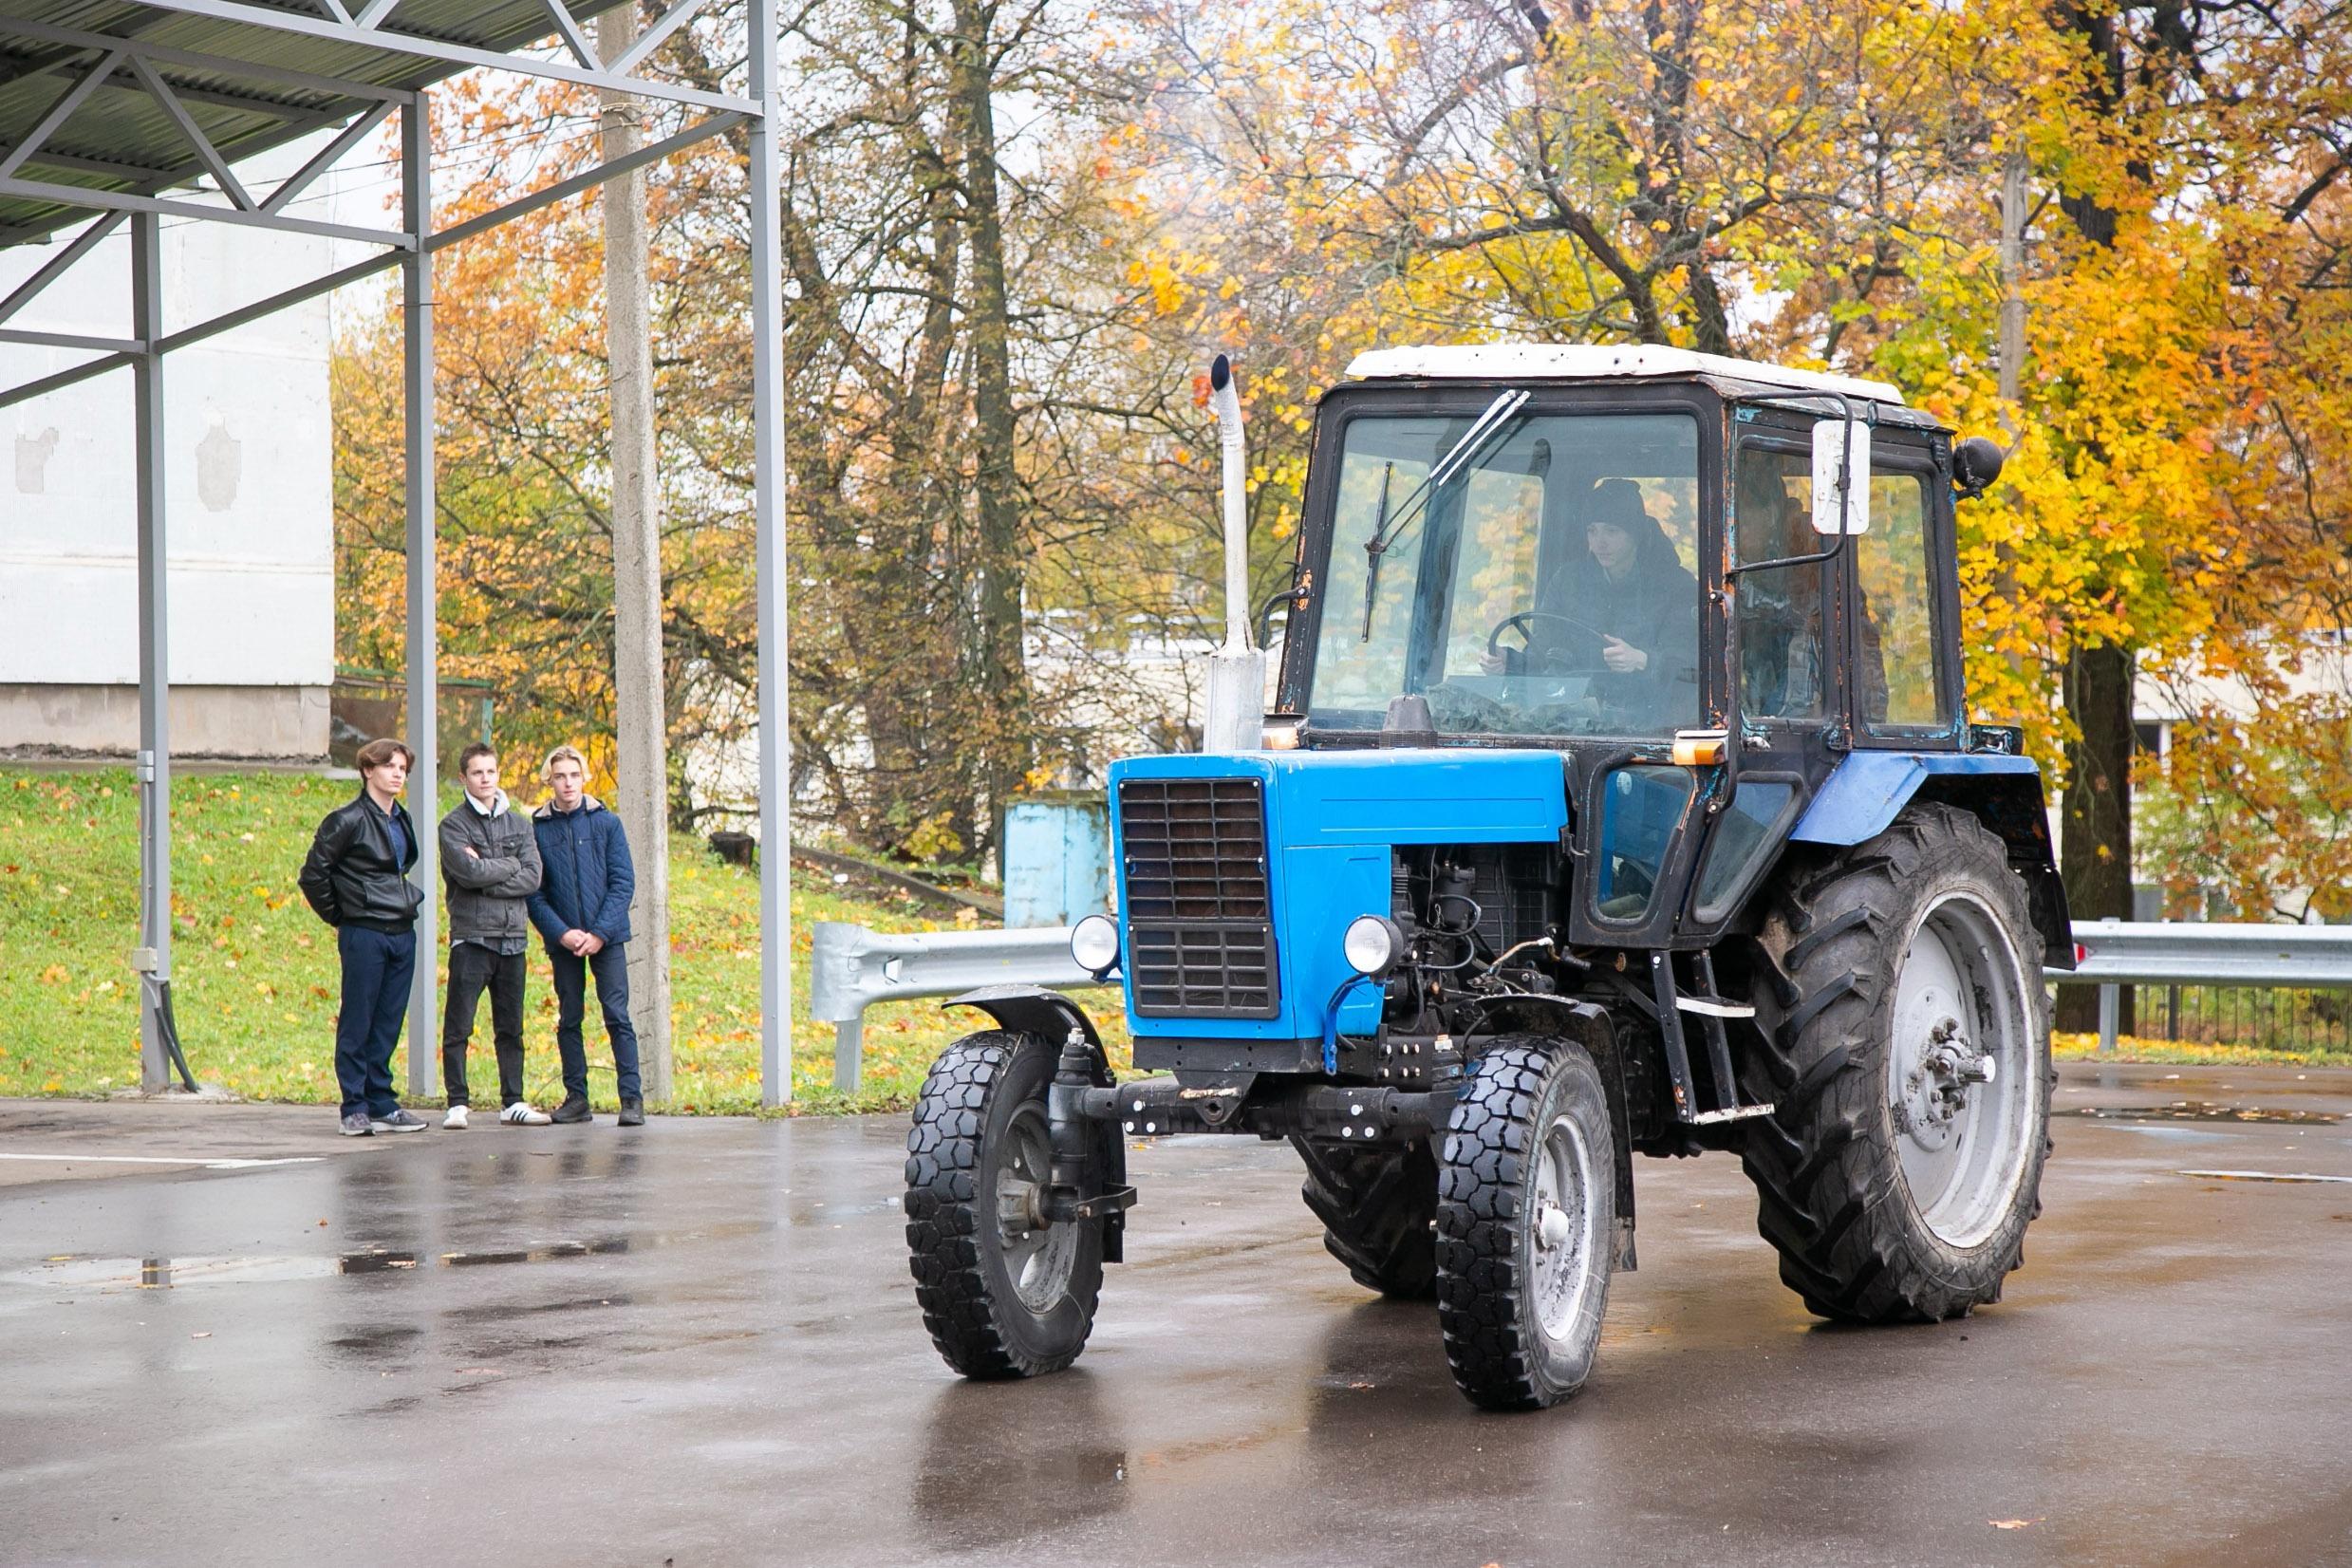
(1526, 1218)
(1911, 1067)
(1004, 1292)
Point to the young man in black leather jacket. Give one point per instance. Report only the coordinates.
(356, 879)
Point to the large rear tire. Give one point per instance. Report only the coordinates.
(1526, 1223)
(1378, 1206)
(1003, 1293)
(1910, 1070)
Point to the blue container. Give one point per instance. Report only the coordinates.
(1057, 858)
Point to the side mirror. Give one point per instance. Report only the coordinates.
(1841, 445)
(1975, 464)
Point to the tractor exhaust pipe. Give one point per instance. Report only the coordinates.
(1236, 672)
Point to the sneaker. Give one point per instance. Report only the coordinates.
(356, 1125)
(574, 1109)
(521, 1114)
(400, 1121)
(455, 1120)
(632, 1112)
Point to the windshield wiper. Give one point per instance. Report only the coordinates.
(1458, 456)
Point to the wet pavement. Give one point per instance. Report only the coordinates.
(697, 1344)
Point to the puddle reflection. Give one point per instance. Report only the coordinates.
(992, 1451)
(2201, 1111)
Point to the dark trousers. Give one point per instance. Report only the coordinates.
(375, 970)
(611, 970)
(474, 968)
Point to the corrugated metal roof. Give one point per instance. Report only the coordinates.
(120, 139)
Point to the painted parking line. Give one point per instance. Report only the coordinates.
(210, 1162)
(2264, 1176)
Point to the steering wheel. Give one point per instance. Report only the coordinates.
(1524, 621)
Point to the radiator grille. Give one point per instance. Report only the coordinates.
(1199, 923)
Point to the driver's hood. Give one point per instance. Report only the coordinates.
(1454, 795)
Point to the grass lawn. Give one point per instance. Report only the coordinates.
(254, 973)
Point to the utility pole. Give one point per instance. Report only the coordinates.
(642, 737)
(2012, 283)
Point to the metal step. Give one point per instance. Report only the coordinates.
(1737, 1114)
(1714, 1007)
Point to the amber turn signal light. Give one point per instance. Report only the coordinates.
(1699, 748)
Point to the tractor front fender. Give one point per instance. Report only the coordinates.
(1051, 1017)
(1035, 1010)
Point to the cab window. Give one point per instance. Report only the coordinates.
(1895, 663)
(1783, 651)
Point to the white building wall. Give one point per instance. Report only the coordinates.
(248, 503)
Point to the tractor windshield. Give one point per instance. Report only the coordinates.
(1543, 586)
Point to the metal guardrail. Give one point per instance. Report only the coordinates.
(853, 967)
(2113, 954)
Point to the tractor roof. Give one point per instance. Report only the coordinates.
(1601, 361)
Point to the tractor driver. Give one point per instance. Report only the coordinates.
(1626, 613)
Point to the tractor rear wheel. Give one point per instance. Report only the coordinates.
(1910, 1064)
(1378, 1206)
(1004, 1292)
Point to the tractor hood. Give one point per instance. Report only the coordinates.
(1238, 873)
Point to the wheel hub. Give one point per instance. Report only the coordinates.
(1038, 1254)
(1958, 1067)
(1936, 1091)
(1558, 1225)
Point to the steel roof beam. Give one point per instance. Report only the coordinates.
(125, 80)
(669, 21)
(208, 154)
(123, 201)
(60, 111)
(586, 179)
(652, 153)
(71, 340)
(59, 381)
(362, 34)
(50, 158)
(567, 29)
(53, 268)
(353, 136)
(226, 65)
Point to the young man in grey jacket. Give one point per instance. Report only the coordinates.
(490, 859)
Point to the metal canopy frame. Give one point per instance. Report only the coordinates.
(276, 75)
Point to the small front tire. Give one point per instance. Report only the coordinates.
(1003, 1293)
(1526, 1223)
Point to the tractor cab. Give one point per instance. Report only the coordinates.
(1617, 799)
(1620, 556)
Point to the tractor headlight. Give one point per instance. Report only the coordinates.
(1095, 942)
(1372, 945)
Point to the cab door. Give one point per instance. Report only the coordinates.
(1637, 820)
(1784, 632)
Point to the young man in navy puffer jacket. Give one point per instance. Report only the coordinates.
(582, 910)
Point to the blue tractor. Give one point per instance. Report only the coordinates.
(1619, 800)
